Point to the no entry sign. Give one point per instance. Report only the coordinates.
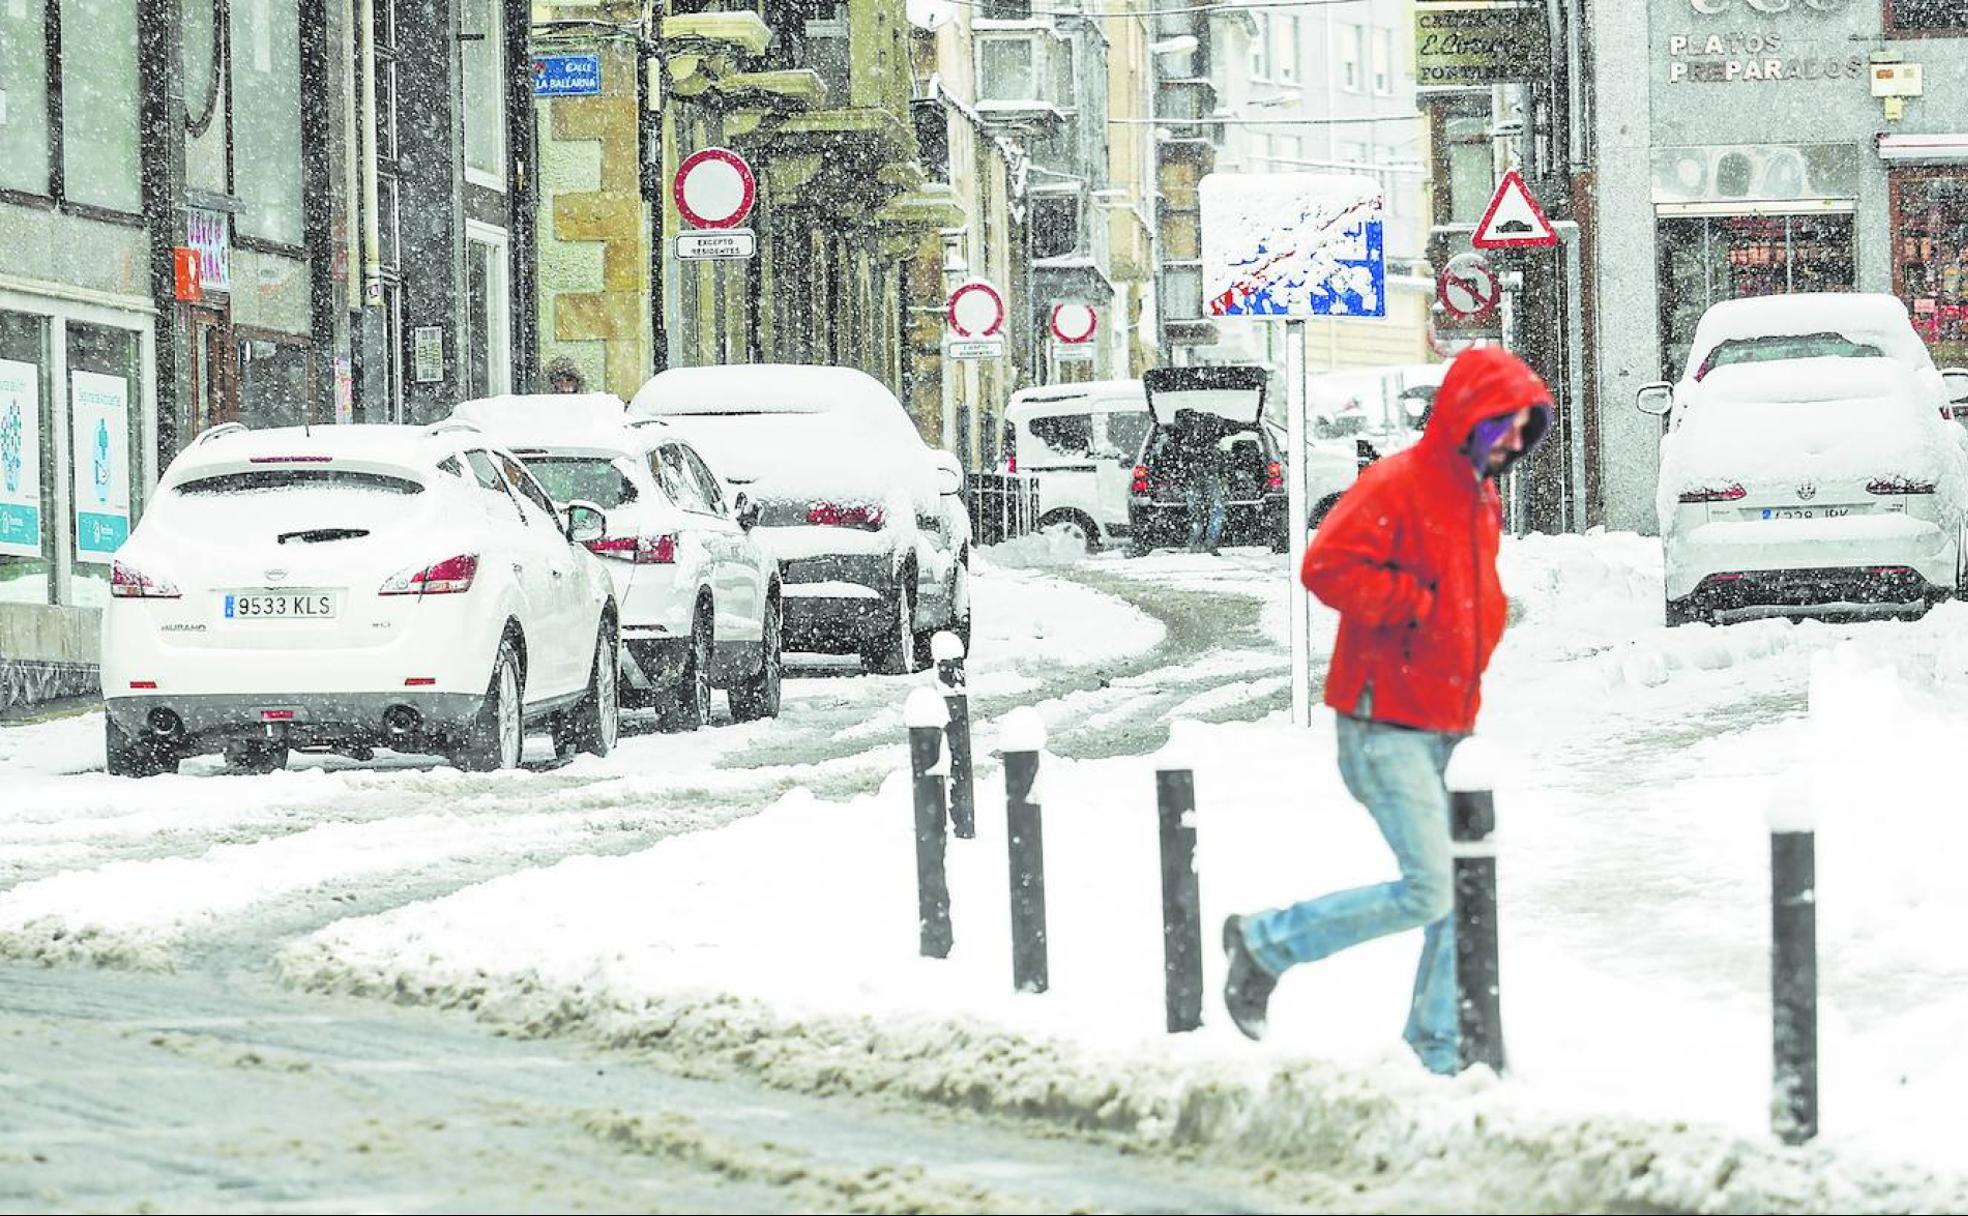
(976, 310)
(714, 188)
(1074, 324)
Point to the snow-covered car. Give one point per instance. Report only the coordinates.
(1230, 400)
(1384, 407)
(1808, 463)
(1080, 442)
(349, 587)
(699, 598)
(866, 522)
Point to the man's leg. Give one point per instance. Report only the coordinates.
(1218, 512)
(1434, 1027)
(1195, 500)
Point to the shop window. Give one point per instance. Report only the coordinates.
(1926, 17)
(1930, 266)
(484, 51)
(205, 100)
(24, 84)
(104, 407)
(99, 104)
(266, 128)
(276, 385)
(27, 501)
(1704, 260)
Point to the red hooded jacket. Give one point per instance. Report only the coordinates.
(1408, 557)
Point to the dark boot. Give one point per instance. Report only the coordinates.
(1247, 990)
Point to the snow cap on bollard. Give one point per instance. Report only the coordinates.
(946, 647)
(925, 708)
(1182, 748)
(1794, 806)
(1474, 768)
(1023, 731)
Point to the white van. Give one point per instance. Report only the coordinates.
(1081, 440)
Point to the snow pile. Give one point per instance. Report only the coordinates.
(1047, 547)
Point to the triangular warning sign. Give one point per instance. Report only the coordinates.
(1514, 220)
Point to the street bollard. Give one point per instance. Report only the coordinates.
(1182, 914)
(1794, 983)
(1023, 738)
(1479, 1000)
(948, 651)
(926, 717)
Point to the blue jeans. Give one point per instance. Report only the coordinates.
(1398, 774)
(1203, 495)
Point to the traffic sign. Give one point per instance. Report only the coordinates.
(976, 310)
(1074, 324)
(727, 245)
(975, 348)
(1467, 286)
(1514, 219)
(714, 188)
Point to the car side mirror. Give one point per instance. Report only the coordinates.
(949, 474)
(1954, 381)
(585, 522)
(745, 511)
(1656, 398)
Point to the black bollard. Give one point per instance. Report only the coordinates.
(1023, 739)
(948, 651)
(1182, 914)
(1479, 1001)
(1794, 985)
(925, 716)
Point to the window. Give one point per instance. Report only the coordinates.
(678, 481)
(266, 119)
(488, 355)
(592, 478)
(528, 490)
(1383, 61)
(1471, 168)
(1349, 58)
(1930, 266)
(1055, 225)
(1926, 16)
(1707, 259)
(707, 482)
(104, 413)
(494, 497)
(24, 84)
(1006, 69)
(1260, 49)
(1284, 32)
(99, 104)
(485, 101)
(1069, 435)
(276, 382)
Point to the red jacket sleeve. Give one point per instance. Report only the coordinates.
(1350, 563)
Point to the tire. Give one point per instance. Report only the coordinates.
(497, 736)
(759, 695)
(1321, 510)
(1073, 523)
(894, 653)
(593, 725)
(257, 757)
(128, 756)
(689, 707)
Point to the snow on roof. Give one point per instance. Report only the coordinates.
(760, 388)
(409, 446)
(1096, 394)
(1860, 316)
(554, 420)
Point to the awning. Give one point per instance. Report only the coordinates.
(1945, 149)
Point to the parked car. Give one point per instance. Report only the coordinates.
(1384, 408)
(348, 587)
(1080, 442)
(699, 598)
(866, 522)
(1807, 462)
(1254, 481)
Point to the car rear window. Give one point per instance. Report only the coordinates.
(254, 481)
(593, 478)
(1774, 347)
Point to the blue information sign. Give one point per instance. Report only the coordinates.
(567, 76)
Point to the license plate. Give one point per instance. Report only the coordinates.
(1805, 512)
(279, 605)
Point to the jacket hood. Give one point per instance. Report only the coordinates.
(1484, 383)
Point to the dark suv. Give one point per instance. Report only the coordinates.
(1254, 477)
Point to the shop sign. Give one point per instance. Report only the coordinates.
(20, 459)
(1746, 56)
(1459, 44)
(209, 235)
(99, 437)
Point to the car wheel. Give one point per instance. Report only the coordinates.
(134, 756)
(498, 735)
(1321, 510)
(689, 707)
(1073, 526)
(256, 757)
(894, 653)
(759, 696)
(593, 725)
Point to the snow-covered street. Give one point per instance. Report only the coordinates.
(735, 911)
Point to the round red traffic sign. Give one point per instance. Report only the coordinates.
(1467, 286)
(1074, 324)
(714, 188)
(976, 310)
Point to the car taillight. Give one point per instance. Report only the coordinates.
(131, 583)
(451, 575)
(641, 550)
(1274, 476)
(1898, 485)
(1727, 493)
(1140, 479)
(833, 515)
(1011, 462)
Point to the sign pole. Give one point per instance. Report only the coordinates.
(1295, 509)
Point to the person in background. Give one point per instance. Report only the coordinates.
(564, 377)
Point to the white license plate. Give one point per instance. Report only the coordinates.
(279, 605)
(1805, 512)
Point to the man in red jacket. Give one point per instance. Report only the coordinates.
(1408, 557)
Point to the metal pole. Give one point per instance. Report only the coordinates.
(926, 720)
(948, 651)
(1182, 917)
(1472, 821)
(1794, 985)
(1573, 321)
(1023, 739)
(1296, 511)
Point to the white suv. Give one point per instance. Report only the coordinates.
(351, 587)
(699, 598)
